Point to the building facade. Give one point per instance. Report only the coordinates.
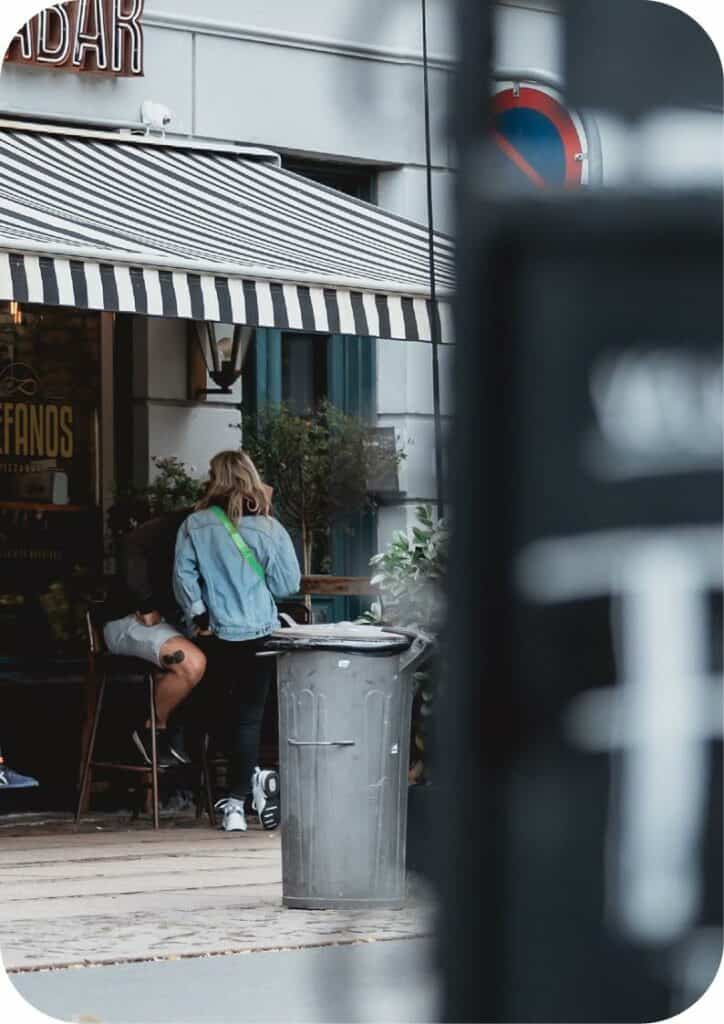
(339, 95)
(336, 89)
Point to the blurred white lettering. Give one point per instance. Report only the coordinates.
(657, 411)
(660, 717)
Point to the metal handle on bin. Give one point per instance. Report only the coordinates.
(320, 743)
(419, 648)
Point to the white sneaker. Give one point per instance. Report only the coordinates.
(265, 797)
(234, 819)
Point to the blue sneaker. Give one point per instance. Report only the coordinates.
(10, 779)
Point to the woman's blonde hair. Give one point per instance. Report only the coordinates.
(234, 482)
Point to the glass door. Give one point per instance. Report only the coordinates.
(50, 530)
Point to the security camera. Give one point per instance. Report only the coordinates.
(155, 116)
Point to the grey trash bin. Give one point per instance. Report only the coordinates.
(345, 703)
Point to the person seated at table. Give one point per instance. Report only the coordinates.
(143, 623)
(10, 779)
(232, 560)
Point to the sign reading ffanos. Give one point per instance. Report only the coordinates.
(100, 36)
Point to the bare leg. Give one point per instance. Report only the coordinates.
(185, 668)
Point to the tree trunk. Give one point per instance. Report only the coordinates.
(307, 541)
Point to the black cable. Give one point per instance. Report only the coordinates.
(435, 318)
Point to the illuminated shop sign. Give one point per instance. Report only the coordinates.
(36, 430)
(101, 36)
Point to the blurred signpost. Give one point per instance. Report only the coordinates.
(611, 315)
(581, 748)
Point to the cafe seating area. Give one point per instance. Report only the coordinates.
(48, 703)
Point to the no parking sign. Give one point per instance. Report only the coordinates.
(541, 143)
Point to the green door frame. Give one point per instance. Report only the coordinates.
(351, 379)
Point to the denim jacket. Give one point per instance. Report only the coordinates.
(211, 575)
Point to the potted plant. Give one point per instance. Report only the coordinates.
(321, 467)
(173, 487)
(410, 575)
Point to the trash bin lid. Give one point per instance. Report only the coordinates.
(346, 636)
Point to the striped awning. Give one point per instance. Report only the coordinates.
(127, 224)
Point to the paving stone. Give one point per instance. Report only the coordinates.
(125, 894)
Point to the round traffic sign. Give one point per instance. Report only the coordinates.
(541, 141)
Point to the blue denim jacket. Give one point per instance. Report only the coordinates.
(210, 574)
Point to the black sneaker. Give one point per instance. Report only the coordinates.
(265, 797)
(142, 741)
(178, 752)
(10, 779)
(175, 742)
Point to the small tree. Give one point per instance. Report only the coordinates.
(320, 466)
(173, 487)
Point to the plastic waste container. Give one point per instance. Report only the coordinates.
(345, 703)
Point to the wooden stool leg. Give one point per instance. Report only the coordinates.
(85, 782)
(200, 791)
(90, 696)
(197, 794)
(154, 753)
(207, 780)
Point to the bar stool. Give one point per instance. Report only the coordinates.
(205, 784)
(105, 666)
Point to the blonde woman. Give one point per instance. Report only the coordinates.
(232, 560)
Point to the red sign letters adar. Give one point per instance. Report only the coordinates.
(100, 36)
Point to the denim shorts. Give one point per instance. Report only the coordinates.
(131, 638)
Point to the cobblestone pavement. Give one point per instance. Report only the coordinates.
(114, 893)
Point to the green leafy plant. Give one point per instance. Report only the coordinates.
(320, 465)
(410, 576)
(173, 487)
(411, 571)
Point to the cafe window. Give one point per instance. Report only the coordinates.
(304, 371)
(50, 536)
(353, 179)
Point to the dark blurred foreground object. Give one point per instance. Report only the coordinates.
(583, 744)
(633, 57)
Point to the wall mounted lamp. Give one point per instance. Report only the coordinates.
(223, 355)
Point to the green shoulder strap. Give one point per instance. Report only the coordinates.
(243, 547)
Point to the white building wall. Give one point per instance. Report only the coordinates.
(335, 79)
(167, 421)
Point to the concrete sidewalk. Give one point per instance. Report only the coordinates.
(108, 895)
(391, 981)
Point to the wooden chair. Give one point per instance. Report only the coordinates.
(295, 610)
(104, 667)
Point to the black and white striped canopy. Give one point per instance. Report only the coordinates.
(129, 225)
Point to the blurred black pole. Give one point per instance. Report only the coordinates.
(435, 319)
(471, 967)
(528, 815)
